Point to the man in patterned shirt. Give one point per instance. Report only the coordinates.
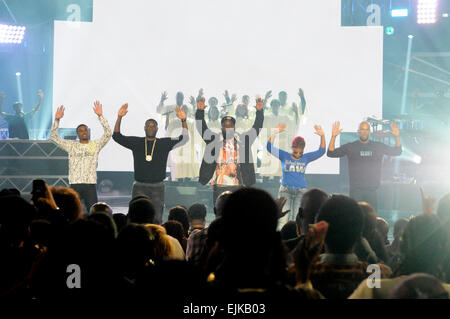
(83, 155)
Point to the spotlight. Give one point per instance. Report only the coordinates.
(426, 11)
(445, 15)
(399, 12)
(18, 74)
(417, 159)
(410, 36)
(11, 33)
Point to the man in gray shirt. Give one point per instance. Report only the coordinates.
(83, 155)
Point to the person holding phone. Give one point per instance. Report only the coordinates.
(83, 155)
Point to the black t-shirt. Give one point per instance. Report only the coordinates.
(17, 126)
(364, 162)
(153, 171)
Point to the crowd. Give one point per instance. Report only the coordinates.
(337, 248)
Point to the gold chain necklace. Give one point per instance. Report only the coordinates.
(149, 158)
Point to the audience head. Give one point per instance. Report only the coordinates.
(310, 204)
(179, 213)
(120, 220)
(250, 218)
(106, 220)
(68, 201)
(345, 221)
(197, 213)
(220, 203)
(422, 246)
(383, 229)
(101, 207)
(141, 211)
(289, 230)
(370, 219)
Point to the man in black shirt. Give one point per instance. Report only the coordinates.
(364, 160)
(150, 158)
(17, 125)
(227, 162)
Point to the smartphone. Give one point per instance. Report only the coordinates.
(38, 188)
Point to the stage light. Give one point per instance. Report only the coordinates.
(399, 12)
(417, 159)
(18, 74)
(410, 36)
(445, 15)
(426, 11)
(11, 33)
(390, 30)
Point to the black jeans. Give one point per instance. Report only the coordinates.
(217, 190)
(156, 193)
(369, 195)
(87, 193)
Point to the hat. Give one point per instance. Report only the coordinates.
(228, 118)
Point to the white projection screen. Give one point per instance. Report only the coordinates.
(136, 49)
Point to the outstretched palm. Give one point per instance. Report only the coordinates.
(259, 104)
(123, 110)
(98, 108)
(201, 104)
(59, 112)
(280, 128)
(319, 131)
(180, 113)
(335, 131)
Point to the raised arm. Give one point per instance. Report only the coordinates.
(41, 97)
(200, 123)
(184, 138)
(312, 156)
(259, 121)
(332, 150)
(270, 148)
(54, 137)
(107, 130)
(302, 100)
(125, 141)
(160, 107)
(397, 149)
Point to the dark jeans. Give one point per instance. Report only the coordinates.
(156, 193)
(369, 195)
(217, 190)
(87, 193)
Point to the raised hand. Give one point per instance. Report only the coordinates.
(300, 93)
(427, 202)
(394, 129)
(41, 94)
(319, 131)
(227, 97)
(200, 93)
(201, 104)
(163, 97)
(98, 108)
(192, 100)
(123, 110)
(180, 113)
(280, 204)
(280, 128)
(233, 98)
(335, 131)
(259, 104)
(59, 113)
